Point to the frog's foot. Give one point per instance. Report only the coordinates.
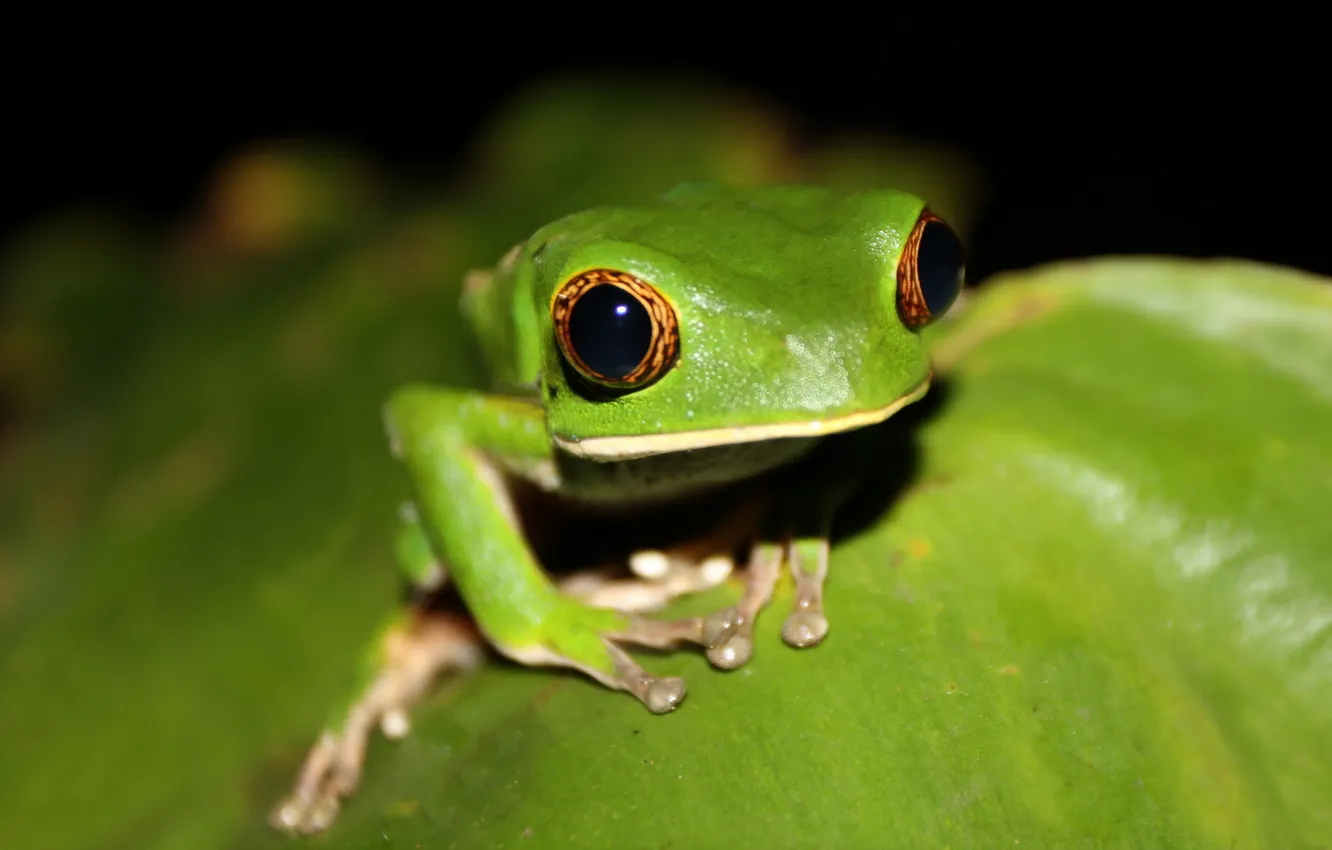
(413, 655)
(601, 659)
(590, 639)
(806, 625)
(663, 577)
(728, 634)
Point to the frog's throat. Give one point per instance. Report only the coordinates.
(645, 445)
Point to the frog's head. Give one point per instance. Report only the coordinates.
(722, 316)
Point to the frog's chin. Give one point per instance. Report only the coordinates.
(646, 445)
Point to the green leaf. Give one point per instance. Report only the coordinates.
(1099, 612)
(1098, 617)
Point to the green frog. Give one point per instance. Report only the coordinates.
(640, 356)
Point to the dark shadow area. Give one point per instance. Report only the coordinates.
(1128, 139)
(890, 468)
(570, 538)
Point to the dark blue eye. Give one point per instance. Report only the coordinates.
(931, 272)
(610, 330)
(615, 329)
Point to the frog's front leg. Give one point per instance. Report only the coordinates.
(450, 441)
(798, 534)
(807, 559)
(809, 519)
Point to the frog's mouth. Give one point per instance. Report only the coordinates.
(646, 445)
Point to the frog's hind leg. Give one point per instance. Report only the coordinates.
(690, 567)
(726, 635)
(411, 651)
(643, 595)
(666, 574)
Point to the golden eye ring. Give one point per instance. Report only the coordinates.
(930, 273)
(616, 330)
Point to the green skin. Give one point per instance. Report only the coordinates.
(786, 303)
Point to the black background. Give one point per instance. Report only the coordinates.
(1100, 129)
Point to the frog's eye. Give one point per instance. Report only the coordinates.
(615, 329)
(930, 273)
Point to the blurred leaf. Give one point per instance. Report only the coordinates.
(61, 308)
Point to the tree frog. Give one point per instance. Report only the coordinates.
(641, 357)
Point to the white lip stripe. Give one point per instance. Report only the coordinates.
(645, 445)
